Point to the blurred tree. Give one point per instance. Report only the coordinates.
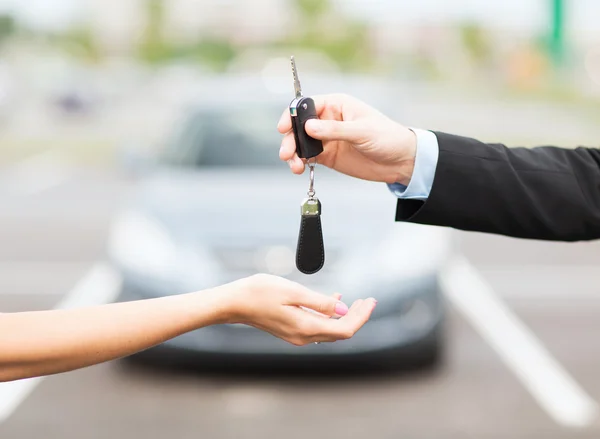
(320, 28)
(79, 41)
(476, 43)
(215, 53)
(7, 27)
(313, 8)
(325, 30)
(152, 46)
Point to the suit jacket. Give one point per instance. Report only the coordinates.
(545, 193)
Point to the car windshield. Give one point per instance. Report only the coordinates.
(221, 138)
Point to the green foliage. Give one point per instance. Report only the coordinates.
(312, 8)
(80, 42)
(154, 52)
(152, 47)
(348, 49)
(214, 53)
(475, 42)
(155, 49)
(7, 27)
(348, 45)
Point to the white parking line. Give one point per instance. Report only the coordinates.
(534, 282)
(99, 286)
(37, 173)
(554, 389)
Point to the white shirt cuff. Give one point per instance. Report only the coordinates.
(426, 160)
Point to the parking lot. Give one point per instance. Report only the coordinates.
(527, 370)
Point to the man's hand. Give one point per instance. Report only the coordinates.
(357, 139)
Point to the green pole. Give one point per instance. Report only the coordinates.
(557, 33)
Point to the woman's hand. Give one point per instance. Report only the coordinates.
(47, 342)
(293, 312)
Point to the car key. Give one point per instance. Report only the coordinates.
(302, 109)
(310, 251)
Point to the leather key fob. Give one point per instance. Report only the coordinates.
(310, 252)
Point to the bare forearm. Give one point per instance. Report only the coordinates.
(48, 342)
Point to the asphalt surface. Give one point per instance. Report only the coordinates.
(51, 237)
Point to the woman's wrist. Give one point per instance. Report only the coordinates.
(222, 304)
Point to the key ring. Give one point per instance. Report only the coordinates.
(311, 190)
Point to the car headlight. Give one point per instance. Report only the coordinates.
(408, 253)
(414, 250)
(142, 245)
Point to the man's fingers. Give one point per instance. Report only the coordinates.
(334, 102)
(349, 131)
(288, 147)
(287, 153)
(296, 165)
(285, 122)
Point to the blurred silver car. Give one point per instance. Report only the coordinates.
(218, 205)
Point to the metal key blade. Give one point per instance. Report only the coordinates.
(297, 87)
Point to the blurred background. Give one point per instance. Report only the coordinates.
(116, 123)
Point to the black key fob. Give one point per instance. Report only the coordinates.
(301, 110)
(310, 252)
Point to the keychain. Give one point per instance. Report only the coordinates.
(310, 251)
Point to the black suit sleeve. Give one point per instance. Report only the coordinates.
(545, 193)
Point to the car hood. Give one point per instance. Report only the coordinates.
(246, 207)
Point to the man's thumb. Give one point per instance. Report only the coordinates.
(334, 130)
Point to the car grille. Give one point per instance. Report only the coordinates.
(274, 259)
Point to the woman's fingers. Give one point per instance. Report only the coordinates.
(346, 326)
(336, 296)
(314, 328)
(320, 303)
(356, 318)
